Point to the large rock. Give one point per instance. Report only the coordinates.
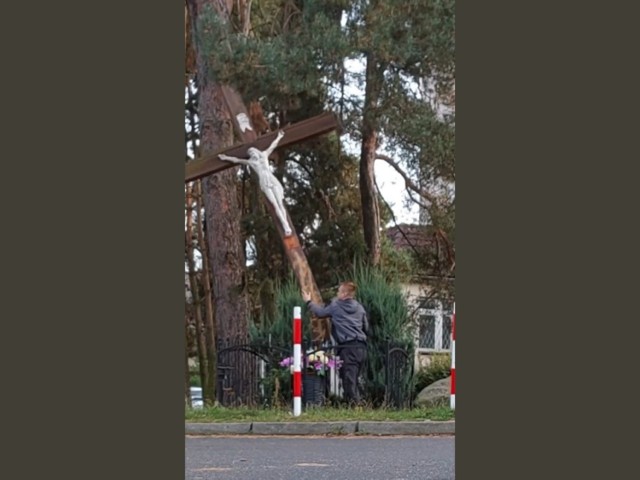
(436, 394)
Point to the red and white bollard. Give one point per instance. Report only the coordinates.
(453, 359)
(297, 360)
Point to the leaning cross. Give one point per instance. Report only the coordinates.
(251, 147)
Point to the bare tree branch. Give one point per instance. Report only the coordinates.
(408, 182)
(416, 201)
(395, 221)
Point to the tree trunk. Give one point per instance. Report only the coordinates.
(203, 364)
(209, 389)
(221, 204)
(187, 373)
(368, 193)
(206, 330)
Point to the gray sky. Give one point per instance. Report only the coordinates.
(392, 187)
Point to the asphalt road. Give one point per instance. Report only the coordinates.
(319, 458)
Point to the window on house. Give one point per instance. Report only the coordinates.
(427, 330)
(434, 325)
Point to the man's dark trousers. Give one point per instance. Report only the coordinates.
(353, 355)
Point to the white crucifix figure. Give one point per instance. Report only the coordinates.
(269, 184)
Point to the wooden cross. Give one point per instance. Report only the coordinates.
(296, 133)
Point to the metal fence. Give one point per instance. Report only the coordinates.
(251, 374)
(243, 368)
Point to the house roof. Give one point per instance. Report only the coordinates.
(404, 236)
(421, 240)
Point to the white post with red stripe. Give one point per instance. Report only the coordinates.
(297, 360)
(453, 359)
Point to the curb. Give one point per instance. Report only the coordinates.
(217, 428)
(303, 428)
(427, 427)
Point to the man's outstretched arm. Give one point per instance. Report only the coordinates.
(227, 158)
(316, 309)
(274, 144)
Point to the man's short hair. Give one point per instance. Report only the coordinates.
(350, 288)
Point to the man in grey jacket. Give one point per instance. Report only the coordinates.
(349, 326)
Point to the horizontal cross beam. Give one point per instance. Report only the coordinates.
(296, 133)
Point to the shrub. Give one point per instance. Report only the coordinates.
(277, 329)
(439, 368)
(275, 332)
(194, 379)
(389, 326)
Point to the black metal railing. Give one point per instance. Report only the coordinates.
(251, 374)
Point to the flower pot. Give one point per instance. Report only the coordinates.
(313, 389)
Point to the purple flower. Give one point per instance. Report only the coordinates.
(319, 363)
(333, 363)
(286, 362)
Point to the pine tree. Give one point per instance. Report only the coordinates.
(220, 196)
(296, 56)
(299, 58)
